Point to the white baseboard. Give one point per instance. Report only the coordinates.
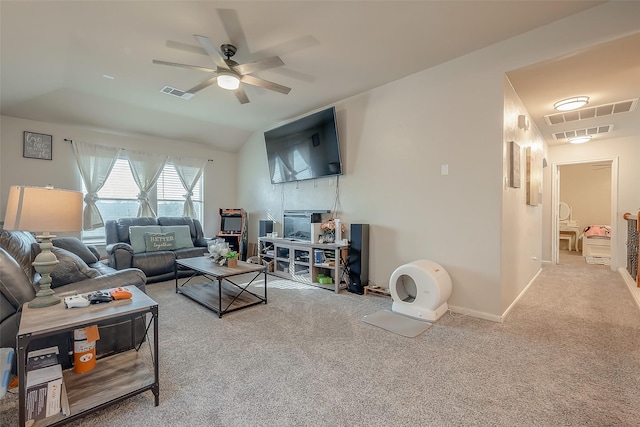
(631, 284)
(520, 296)
(463, 311)
(489, 316)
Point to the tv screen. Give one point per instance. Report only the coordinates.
(231, 224)
(306, 148)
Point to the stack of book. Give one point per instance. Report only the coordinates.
(46, 395)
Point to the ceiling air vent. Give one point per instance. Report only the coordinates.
(592, 112)
(583, 132)
(176, 92)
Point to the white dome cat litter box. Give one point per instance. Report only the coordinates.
(420, 290)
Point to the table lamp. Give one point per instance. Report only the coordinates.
(44, 210)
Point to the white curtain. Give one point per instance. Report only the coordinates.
(95, 163)
(189, 171)
(145, 168)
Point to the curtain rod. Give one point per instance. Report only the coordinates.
(69, 140)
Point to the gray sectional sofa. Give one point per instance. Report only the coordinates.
(79, 271)
(153, 244)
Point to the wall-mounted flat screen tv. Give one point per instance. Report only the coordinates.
(306, 148)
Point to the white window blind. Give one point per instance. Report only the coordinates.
(120, 184)
(119, 197)
(170, 193)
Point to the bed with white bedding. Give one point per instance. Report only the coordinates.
(596, 244)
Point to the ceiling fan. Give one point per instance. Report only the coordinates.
(228, 73)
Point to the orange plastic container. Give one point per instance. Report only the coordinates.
(84, 352)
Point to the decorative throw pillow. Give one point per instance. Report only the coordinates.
(74, 245)
(70, 269)
(160, 241)
(183, 235)
(137, 238)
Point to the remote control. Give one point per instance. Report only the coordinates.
(76, 301)
(98, 297)
(120, 293)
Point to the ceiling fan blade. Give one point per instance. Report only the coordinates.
(203, 85)
(232, 27)
(241, 95)
(186, 47)
(263, 64)
(214, 54)
(190, 67)
(256, 81)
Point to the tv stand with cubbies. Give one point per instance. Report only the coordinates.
(296, 260)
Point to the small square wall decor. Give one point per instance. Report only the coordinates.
(37, 146)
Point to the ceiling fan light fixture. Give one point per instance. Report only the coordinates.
(571, 103)
(580, 139)
(228, 80)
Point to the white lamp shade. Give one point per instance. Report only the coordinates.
(39, 209)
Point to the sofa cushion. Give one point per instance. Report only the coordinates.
(136, 236)
(70, 268)
(155, 263)
(168, 221)
(15, 286)
(74, 245)
(118, 231)
(182, 233)
(18, 244)
(102, 268)
(160, 241)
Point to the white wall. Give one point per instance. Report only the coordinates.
(587, 189)
(521, 223)
(393, 146)
(394, 140)
(220, 188)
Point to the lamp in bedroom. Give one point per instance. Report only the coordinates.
(44, 210)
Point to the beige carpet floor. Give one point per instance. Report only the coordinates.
(567, 355)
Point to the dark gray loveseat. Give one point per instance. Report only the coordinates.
(158, 265)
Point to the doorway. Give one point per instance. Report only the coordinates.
(589, 190)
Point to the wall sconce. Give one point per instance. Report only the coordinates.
(523, 122)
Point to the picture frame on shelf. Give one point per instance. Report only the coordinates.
(37, 146)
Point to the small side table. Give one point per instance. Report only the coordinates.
(127, 373)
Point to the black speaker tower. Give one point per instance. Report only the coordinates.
(359, 258)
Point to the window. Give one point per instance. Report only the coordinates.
(170, 194)
(119, 197)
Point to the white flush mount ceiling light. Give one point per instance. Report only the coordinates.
(228, 80)
(580, 139)
(571, 103)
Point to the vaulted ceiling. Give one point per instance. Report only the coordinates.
(90, 63)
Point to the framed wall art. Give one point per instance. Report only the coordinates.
(534, 177)
(514, 165)
(37, 146)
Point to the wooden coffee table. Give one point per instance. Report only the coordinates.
(220, 292)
